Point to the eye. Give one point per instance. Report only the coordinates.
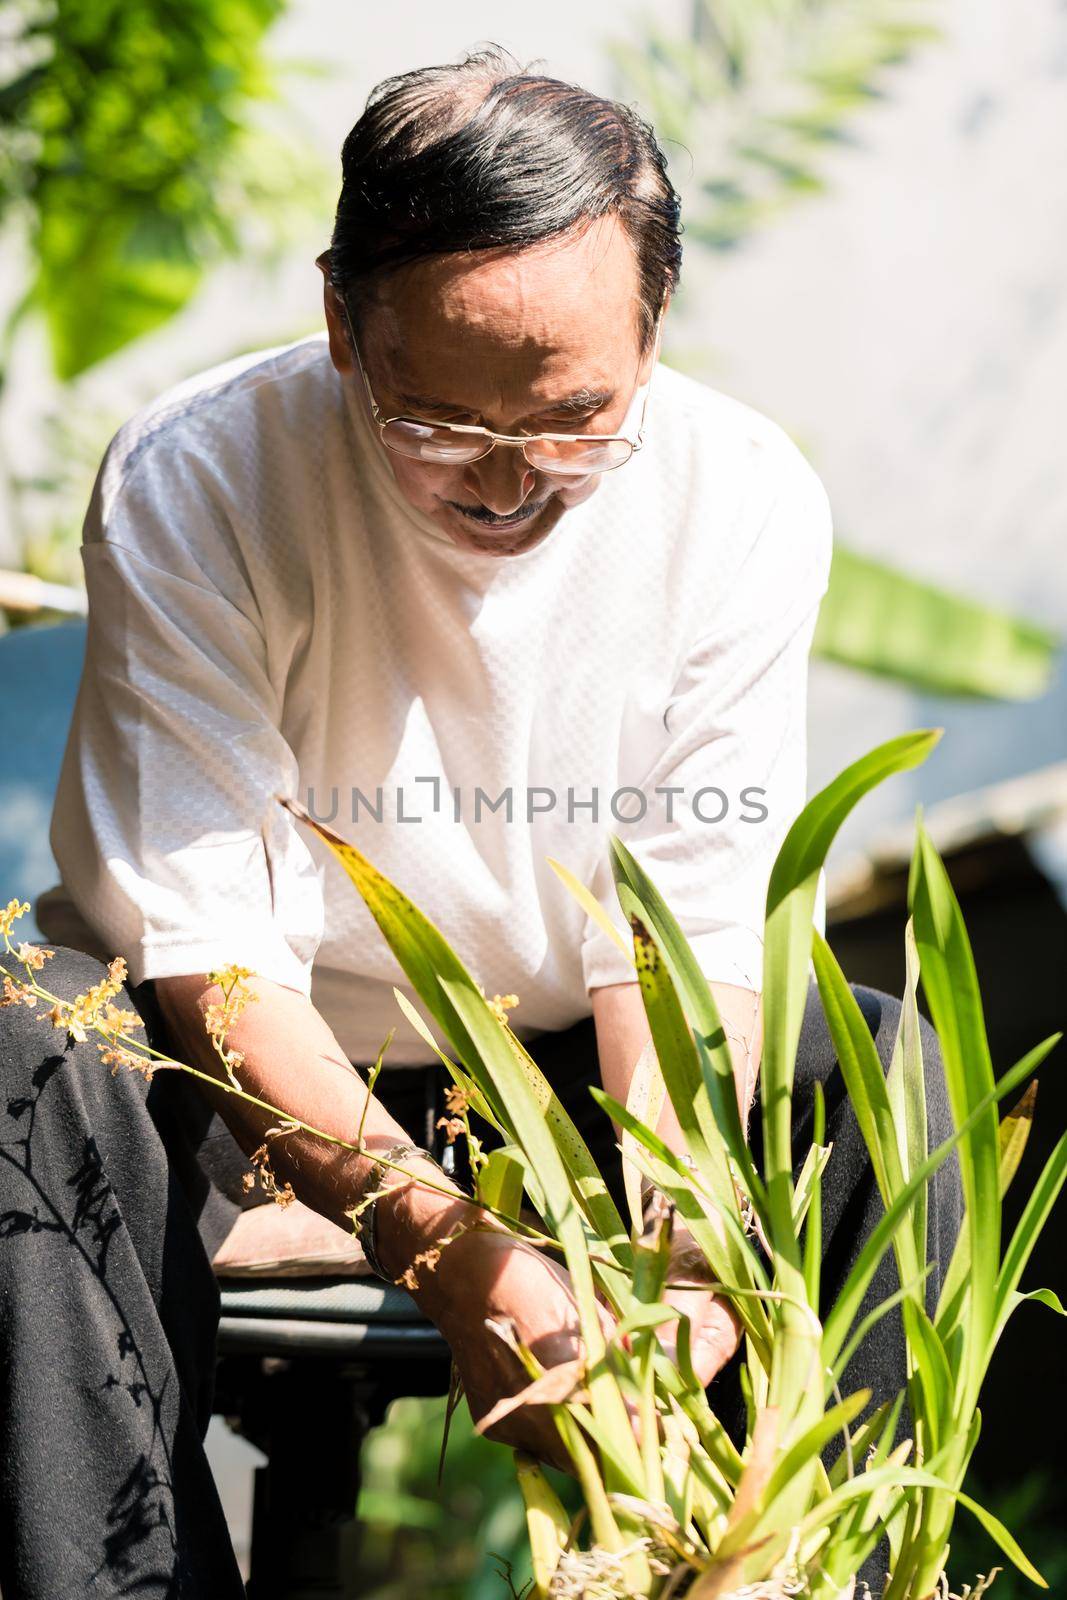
(570, 423)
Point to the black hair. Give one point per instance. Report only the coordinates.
(484, 155)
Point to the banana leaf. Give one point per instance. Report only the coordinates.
(885, 622)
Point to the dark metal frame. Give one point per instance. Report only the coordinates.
(305, 1384)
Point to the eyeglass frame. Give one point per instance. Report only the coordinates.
(520, 439)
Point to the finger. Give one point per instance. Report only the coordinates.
(713, 1338)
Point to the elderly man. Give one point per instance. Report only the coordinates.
(476, 580)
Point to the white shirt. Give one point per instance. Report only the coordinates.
(268, 615)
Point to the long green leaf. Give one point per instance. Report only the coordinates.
(808, 1180)
(857, 1058)
(639, 897)
(811, 1444)
(951, 986)
(690, 1205)
(500, 1182)
(488, 1051)
(813, 1231)
(547, 1522)
(787, 955)
(882, 621)
(1013, 1137)
(851, 1295)
(906, 1084)
(1038, 1206)
(876, 1433)
(934, 1415)
(901, 1476)
(787, 946)
(680, 1066)
(590, 905)
(644, 1100)
(535, 1137)
(727, 1252)
(1044, 1297)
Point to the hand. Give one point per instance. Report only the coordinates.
(483, 1273)
(714, 1327)
(501, 1279)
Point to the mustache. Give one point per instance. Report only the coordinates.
(490, 519)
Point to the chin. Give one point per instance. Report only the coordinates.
(467, 535)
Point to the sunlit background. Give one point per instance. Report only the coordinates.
(875, 256)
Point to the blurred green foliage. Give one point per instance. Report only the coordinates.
(131, 154)
(463, 1540)
(1034, 1503)
(884, 622)
(747, 102)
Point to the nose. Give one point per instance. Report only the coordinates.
(502, 480)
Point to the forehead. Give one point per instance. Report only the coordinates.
(565, 308)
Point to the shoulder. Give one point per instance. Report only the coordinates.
(746, 448)
(744, 484)
(209, 425)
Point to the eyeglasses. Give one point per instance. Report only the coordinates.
(566, 455)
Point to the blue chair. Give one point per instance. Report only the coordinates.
(306, 1366)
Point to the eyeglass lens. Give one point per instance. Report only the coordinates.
(575, 457)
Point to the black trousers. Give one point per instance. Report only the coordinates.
(114, 1195)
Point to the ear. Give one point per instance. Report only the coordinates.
(336, 326)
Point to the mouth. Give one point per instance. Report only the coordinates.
(487, 523)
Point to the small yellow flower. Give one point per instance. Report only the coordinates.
(261, 1168)
(456, 1100)
(11, 913)
(32, 956)
(232, 974)
(117, 1057)
(12, 992)
(215, 1020)
(119, 1020)
(409, 1278)
(16, 993)
(501, 1004)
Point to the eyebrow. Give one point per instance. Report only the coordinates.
(580, 401)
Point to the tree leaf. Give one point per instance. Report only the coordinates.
(885, 622)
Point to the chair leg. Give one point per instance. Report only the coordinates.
(312, 1419)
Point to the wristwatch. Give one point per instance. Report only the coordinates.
(366, 1221)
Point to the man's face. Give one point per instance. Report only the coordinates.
(502, 340)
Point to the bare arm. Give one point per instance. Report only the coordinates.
(293, 1061)
(622, 1033)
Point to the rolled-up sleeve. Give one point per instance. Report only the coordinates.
(166, 829)
(734, 752)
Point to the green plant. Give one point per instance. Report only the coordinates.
(132, 157)
(679, 1508)
(757, 90)
(683, 1507)
(141, 145)
(453, 1535)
